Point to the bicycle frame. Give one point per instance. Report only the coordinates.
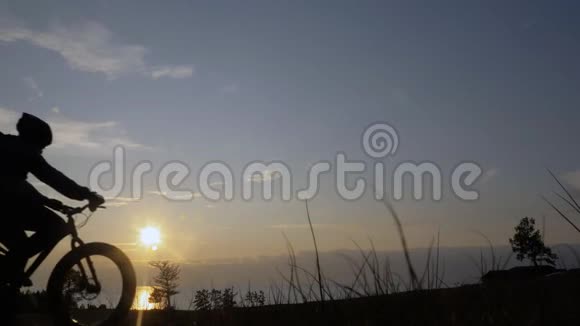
(76, 242)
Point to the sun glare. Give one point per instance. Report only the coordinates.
(150, 237)
(142, 298)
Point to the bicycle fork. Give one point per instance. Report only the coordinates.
(90, 288)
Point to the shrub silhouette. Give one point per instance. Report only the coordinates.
(255, 299)
(201, 300)
(206, 300)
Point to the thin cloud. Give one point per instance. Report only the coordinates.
(77, 136)
(90, 47)
(177, 72)
(90, 135)
(8, 119)
(32, 85)
(119, 201)
(349, 227)
(489, 175)
(123, 199)
(116, 204)
(230, 89)
(572, 178)
(264, 176)
(188, 196)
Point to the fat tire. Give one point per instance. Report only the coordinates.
(61, 313)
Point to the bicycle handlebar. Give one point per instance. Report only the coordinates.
(71, 211)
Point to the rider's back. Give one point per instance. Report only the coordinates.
(17, 160)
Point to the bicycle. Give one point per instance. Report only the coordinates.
(73, 282)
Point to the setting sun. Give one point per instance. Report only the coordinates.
(150, 237)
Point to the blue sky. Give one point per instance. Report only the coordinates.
(298, 81)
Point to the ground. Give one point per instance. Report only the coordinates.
(550, 301)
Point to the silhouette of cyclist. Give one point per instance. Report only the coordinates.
(23, 207)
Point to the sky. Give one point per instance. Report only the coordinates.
(298, 82)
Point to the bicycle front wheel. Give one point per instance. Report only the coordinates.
(97, 296)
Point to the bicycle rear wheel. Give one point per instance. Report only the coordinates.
(74, 297)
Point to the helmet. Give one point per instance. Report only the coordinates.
(34, 131)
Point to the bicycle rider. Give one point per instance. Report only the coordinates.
(23, 207)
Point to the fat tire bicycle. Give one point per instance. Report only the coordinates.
(63, 287)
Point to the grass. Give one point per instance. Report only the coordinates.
(568, 199)
(318, 270)
(492, 262)
(371, 275)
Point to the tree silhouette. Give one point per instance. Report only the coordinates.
(527, 243)
(165, 283)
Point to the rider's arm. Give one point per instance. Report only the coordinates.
(58, 181)
(29, 191)
(33, 193)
